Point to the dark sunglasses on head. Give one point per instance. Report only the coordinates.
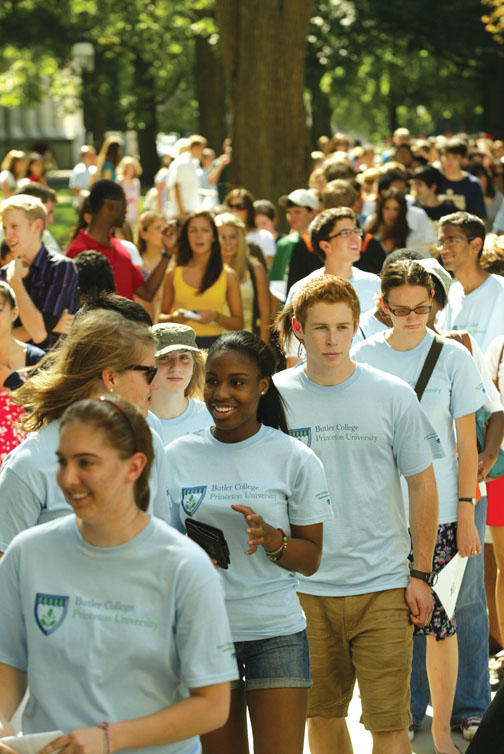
(150, 372)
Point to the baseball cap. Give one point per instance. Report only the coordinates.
(301, 198)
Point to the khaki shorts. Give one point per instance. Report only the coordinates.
(367, 637)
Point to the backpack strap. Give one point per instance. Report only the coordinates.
(428, 367)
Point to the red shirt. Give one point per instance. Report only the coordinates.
(127, 277)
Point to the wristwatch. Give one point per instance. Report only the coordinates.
(429, 577)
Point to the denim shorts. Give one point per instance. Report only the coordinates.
(277, 662)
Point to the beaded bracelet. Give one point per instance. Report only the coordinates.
(275, 555)
(106, 736)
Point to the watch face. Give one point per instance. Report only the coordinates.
(433, 577)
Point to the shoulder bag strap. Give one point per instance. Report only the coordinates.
(428, 367)
(461, 336)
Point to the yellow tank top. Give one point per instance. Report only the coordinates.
(187, 297)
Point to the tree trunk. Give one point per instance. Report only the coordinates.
(263, 46)
(392, 112)
(210, 92)
(493, 102)
(321, 112)
(146, 120)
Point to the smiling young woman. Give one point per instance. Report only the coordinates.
(267, 492)
(117, 581)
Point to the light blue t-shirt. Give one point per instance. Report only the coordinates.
(30, 494)
(455, 389)
(111, 633)
(481, 311)
(368, 325)
(195, 417)
(279, 478)
(365, 430)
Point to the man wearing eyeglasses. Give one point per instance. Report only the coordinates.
(476, 304)
(336, 239)
(476, 299)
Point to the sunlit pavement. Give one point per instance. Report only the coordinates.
(362, 742)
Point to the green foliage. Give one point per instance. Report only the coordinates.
(128, 36)
(383, 63)
(494, 19)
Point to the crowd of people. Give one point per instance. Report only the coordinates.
(321, 411)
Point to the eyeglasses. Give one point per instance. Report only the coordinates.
(150, 372)
(404, 311)
(451, 242)
(346, 233)
(237, 206)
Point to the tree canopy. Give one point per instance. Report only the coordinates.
(159, 64)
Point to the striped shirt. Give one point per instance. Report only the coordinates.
(52, 284)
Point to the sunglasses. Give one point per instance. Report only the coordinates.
(237, 206)
(150, 372)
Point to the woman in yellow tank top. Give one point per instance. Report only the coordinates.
(197, 290)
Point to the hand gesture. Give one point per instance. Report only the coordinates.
(17, 269)
(169, 237)
(255, 528)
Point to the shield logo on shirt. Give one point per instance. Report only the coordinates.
(192, 497)
(50, 611)
(303, 434)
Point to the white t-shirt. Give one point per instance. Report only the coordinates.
(183, 170)
(492, 357)
(7, 177)
(30, 494)
(481, 312)
(132, 250)
(279, 478)
(421, 234)
(366, 431)
(455, 389)
(81, 175)
(195, 417)
(366, 284)
(111, 633)
(264, 239)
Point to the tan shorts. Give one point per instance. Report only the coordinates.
(367, 637)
